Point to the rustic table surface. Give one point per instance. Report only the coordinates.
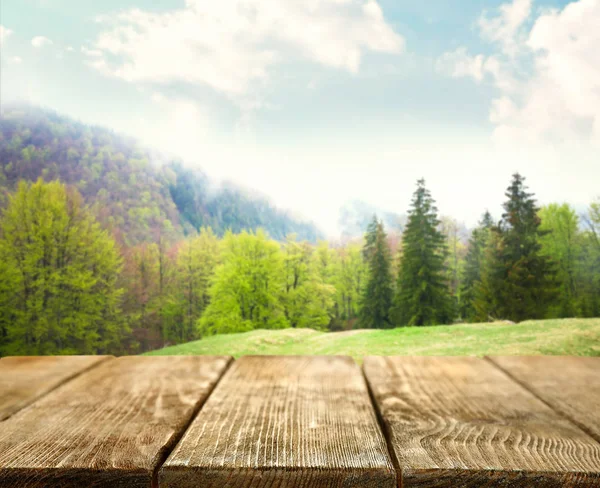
(299, 421)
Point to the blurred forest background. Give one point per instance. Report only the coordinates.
(106, 247)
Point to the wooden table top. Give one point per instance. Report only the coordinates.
(299, 421)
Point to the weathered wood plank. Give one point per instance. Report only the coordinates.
(25, 379)
(570, 385)
(463, 422)
(284, 422)
(111, 426)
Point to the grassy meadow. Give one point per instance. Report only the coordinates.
(578, 337)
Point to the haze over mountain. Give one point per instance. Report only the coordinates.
(356, 215)
(136, 192)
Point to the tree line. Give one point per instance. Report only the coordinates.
(68, 287)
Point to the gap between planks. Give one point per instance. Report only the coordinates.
(418, 467)
(40, 390)
(177, 437)
(384, 429)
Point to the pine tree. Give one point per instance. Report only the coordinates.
(473, 266)
(370, 238)
(422, 294)
(529, 282)
(377, 296)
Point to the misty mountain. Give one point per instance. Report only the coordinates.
(135, 192)
(355, 215)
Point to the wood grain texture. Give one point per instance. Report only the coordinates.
(463, 422)
(284, 422)
(570, 385)
(24, 379)
(111, 426)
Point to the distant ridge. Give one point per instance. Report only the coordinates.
(137, 193)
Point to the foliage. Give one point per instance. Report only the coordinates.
(230, 208)
(473, 267)
(59, 295)
(247, 287)
(377, 296)
(348, 280)
(487, 299)
(422, 293)
(136, 193)
(113, 174)
(455, 258)
(307, 297)
(561, 242)
(67, 288)
(528, 276)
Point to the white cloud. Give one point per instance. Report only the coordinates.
(40, 41)
(93, 53)
(230, 45)
(70, 49)
(505, 27)
(15, 60)
(183, 125)
(547, 76)
(4, 33)
(158, 97)
(459, 63)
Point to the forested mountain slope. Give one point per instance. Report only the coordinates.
(135, 192)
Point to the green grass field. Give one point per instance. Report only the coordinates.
(578, 337)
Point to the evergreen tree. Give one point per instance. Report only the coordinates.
(378, 293)
(370, 238)
(529, 277)
(473, 266)
(62, 270)
(422, 294)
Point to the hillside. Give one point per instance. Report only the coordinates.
(135, 192)
(579, 337)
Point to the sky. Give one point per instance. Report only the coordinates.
(318, 102)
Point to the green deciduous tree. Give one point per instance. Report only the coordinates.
(349, 279)
(455, 258)
(561, 242)
(588, 271)
(307, 298)
(422, 293)
(247, 287)
(60, 296)
(197, 260)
